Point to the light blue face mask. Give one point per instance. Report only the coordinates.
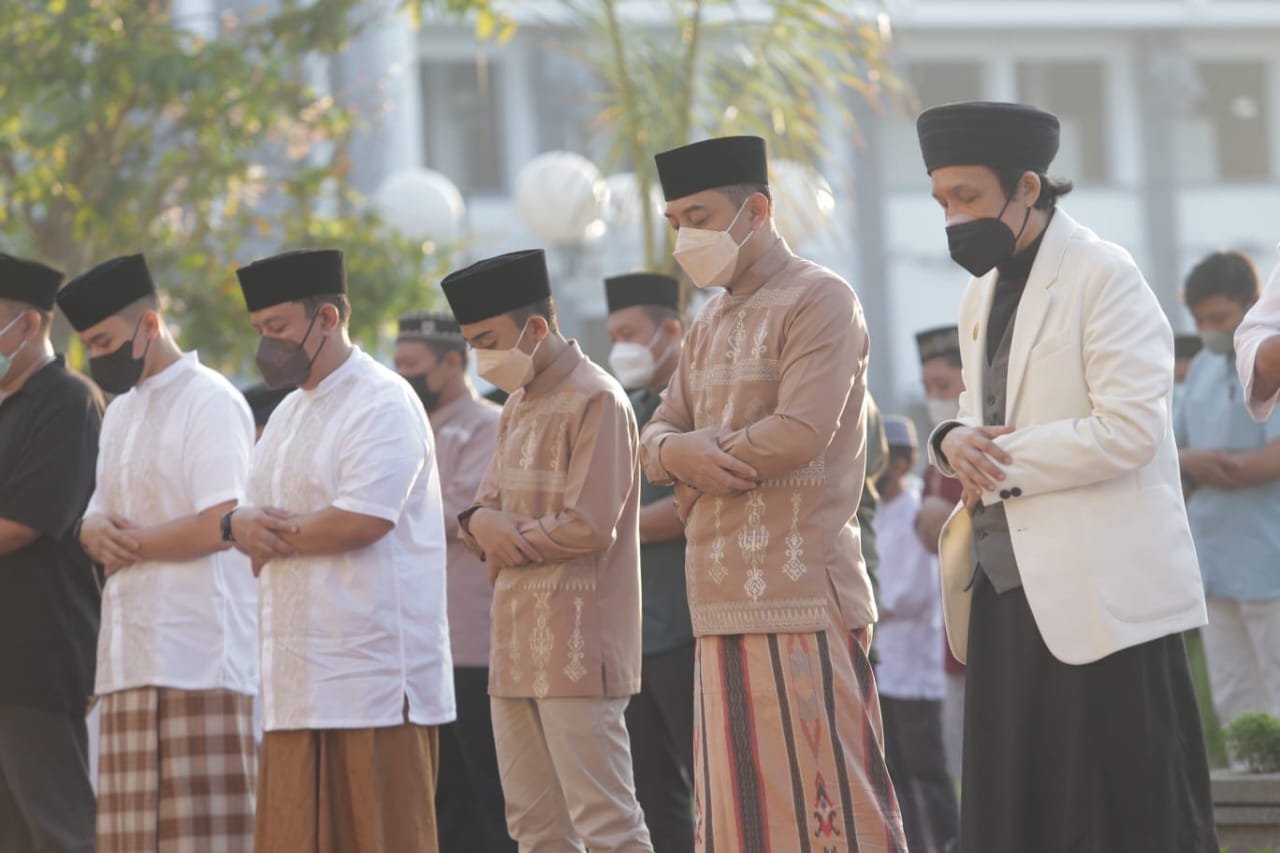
(6, 361)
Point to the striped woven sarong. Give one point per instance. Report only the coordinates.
(789, 747)
(176, 772)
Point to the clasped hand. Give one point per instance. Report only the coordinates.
(697, 459)
(106, 539)
(257, 533)
(976, 459)
(500, 540)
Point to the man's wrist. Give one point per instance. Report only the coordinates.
(228, 535)
(940, 435)
(661, 443)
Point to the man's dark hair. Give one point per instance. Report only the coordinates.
(313, 304)
(1051, 189)
(134, 310)
(660, 314)
(14, 307)
(739, 193)
(442, 348)
(951, 358)
(545, 308)
(1229, 274)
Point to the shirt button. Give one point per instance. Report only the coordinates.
(1016, 492)
(1005, 494)
(991, 400)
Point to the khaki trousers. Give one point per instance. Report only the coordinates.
(566, 775)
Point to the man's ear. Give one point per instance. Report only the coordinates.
(1029, 188)
(151, 324)
(331, 318)
(760, 207)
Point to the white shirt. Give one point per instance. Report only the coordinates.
(909, 633)
(347, 637)
(1262, 322)
(174, 446)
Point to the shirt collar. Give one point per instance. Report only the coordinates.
(166, 377)
(449, 411)
(334, 379)
(35, 380)
(764, 270)
(555, 372)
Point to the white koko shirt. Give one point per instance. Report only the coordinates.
(346, 638)
(909, 633)
(174, 446)
(1262, 321)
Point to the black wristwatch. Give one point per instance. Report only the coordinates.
(226, 525)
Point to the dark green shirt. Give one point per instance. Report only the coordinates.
(664, 600)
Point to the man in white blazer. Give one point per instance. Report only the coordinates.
(1068, 570)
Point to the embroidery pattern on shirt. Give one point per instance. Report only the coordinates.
(718, 570)
(753, 539)
(813, 474)
(795, 568)
(781, 615)
(513, 645)
(575, 669)
(293, 452)
(541, 642)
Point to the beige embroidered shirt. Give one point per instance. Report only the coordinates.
(567, 458)
(466, 435)
(781, 362)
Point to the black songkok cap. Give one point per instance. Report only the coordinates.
(1187, 346)
(292, 277)
(498, 285)
(263, 401)
(942, 342)
(712, 163)
(28, 282)
(105, 290)
(980, 133)
(642, 288)
(430, 326)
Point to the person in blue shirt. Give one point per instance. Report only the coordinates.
(1231, 471)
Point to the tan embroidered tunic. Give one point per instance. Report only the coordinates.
(567, 458)
(466, 433)
(781, 362)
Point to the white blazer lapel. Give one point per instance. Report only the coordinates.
(1035, 302)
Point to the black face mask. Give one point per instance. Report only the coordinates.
(418, 382)
(117, 372)
(980, 244)
(285, 364)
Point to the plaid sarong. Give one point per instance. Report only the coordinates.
(789, 746)
(176, 771)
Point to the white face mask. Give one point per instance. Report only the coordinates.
(942, 410)
(709, 258)
(634, 364)
(508, 369)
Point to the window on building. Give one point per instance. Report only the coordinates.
(1076, 93)
(1224, 135)
(463, 123)
(933, 84)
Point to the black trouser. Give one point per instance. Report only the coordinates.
(470, 810)
(918, 766)
(660, 723)
(1103, 757)
(46, 801)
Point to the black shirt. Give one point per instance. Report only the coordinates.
(49, 601)
(1009, 287)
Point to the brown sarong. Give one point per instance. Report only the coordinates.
(789, 747)
(347, 790)
(176, 771)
